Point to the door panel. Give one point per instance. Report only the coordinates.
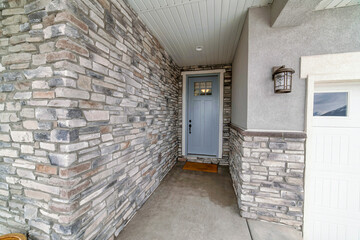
(203, 115)
(332, 180)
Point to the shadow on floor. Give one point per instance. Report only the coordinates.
(194, 205)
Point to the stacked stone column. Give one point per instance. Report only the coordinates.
(267, 169)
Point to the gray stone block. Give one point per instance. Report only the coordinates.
(62, 160)
(62, 135)
(6, 87)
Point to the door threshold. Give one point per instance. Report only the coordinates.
(200, 155)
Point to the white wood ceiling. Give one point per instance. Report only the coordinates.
(328, 4)
(181, 25)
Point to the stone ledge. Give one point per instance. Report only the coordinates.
(269, 134)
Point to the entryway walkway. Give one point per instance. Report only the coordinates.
(198, 206)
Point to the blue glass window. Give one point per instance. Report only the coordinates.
(331, 104)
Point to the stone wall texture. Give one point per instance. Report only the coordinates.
(226, 113)
(88, 123)
(268, 175)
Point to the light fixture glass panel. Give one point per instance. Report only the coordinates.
(279, 81)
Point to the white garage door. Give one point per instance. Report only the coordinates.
(332, 180)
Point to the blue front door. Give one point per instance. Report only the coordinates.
(203, 115)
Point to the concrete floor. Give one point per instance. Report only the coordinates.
(200, 206)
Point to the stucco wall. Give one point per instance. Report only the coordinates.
(325, 32)
(239, 84)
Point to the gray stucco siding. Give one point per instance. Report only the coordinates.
(239, 94)
(325, 32)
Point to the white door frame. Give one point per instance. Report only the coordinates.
(185, 75)
(331, 68)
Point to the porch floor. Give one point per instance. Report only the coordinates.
(198, 205)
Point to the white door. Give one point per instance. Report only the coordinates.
(332, 179)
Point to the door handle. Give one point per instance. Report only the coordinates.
(189, 128)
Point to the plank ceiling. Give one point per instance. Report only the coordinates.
(328, 4)
(181, 25)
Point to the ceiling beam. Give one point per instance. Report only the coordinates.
(290, 13)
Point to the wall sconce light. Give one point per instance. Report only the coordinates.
(282, 78)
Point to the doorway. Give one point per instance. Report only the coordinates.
(202, 113)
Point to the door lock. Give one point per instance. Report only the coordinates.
(190, 127)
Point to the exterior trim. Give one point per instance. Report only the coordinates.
(329, 68)
(341, 64)
(185, 75)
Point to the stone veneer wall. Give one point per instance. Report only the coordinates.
(226, 113)
(268, 175)
(88, 123)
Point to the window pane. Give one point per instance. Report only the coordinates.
(202, 88)
(330, 104)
